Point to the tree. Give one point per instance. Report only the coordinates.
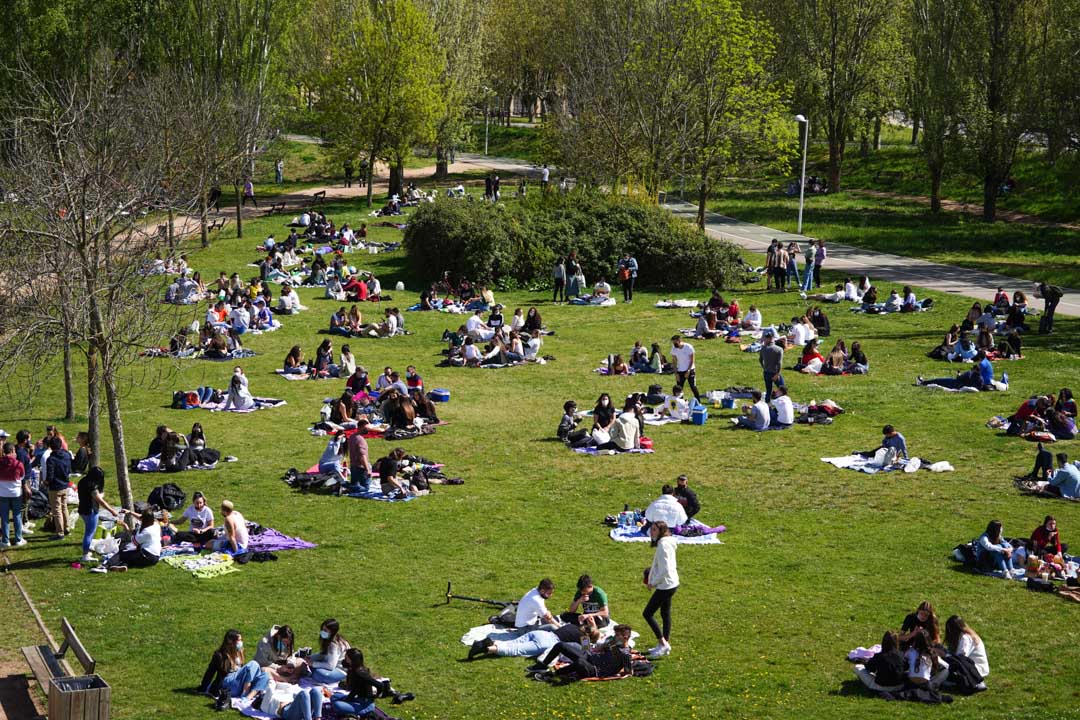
(88, 171)
(939, 91)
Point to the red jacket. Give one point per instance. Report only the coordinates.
(11, 470)
(1041, 539)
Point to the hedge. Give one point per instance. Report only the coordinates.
(515, 244)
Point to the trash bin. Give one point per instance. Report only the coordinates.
(79, 698)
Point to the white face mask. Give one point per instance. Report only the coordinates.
(239, 644)
(324, 634)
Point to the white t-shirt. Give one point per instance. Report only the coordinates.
(835, 296)
(240, 318)
(149, 539)
(474, 323)
(976, 651)
(391, 324)
(785, 411)
(531, 609)
(471, 352)
(760, 410)
(918, 666)
(664, 575)
(532, 348)
(199, 519)
(851, 292)
(677, 407)
(545, 174)
(799, 335)
(684, 357)
(666, 509)
(753, 319)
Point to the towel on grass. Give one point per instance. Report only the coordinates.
(293, 376)
(594, 302)
(377, 494)
(237, 354)
(993, 386)
(500, 633)
(595, 451)
(867, 465)
(636, 534)
(1027, 486)
(270, 540)
(203, 566)
(682, 303)
(261, 403)
(861, 653)
(657, 419)
(153, 464)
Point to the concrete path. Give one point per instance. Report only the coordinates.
(878, 266)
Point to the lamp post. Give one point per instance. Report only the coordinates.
(802, 183)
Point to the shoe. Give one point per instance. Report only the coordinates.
(654, 649)
(919, 380)
(118, 568)
(87, 558)
(27, 531)
(222, 700)
(660, 651)
(1005, 378)
(5, 544)
(542, 676)
(400, 698)
(58, 537)
(20, 542)
(99, 569)
(479, 648)
(536, 667)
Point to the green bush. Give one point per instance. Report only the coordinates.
(515, 244)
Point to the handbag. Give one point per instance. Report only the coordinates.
(601, 436)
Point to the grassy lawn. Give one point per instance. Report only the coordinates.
(816, 560)
(906, 228)
(523, 143)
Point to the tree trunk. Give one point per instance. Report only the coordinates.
(702, 194)
(935, 190)
(442, 167)
(239, 213)
(204, 234)
(990, 188)
(116, 429)
(370, 174)
(836, 159)
(93, 402)
(915, 129)
(397, 176)
(877, 133)
(69, 385)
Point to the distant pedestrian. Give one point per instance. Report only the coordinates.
(793, 263)
(628, 270)
(558, 273)
(489, 183)
(819, 260)
(214, 199)
(249, 194)
(545, 177)
(770, 263)
(348, 169)
(363, 173)
(1051, 295)
(808, 275)
(279, 171)
(685, 369)
(771, 358)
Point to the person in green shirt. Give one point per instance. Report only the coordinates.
(590, 601)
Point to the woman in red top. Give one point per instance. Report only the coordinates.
(810, 352)
(1045, 539)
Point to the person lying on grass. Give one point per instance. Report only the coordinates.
(834, 297)
(534, 643)
(980, 377)
(613, 659)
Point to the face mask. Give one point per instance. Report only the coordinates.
(239, 644)
(324, 634)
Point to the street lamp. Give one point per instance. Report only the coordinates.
(802, 184)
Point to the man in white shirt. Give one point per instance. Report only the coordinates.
(752, 321)
(676, 405)
(532, 608)
(685, 371)
(851, 291)
(478, 329)
(545, 176)
(782, 411)
(602, 289)
(666, 509)
(799, 335)
(240, 319)
(756, 416)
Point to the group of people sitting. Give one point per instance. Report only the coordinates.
(176, 452)
(344, 283)
(1042, 555)
(916, 659)
(1063, 481)
(958, 345)
(270, 682)
(395, 402)
(839, 361)
(778, 412)
(650, 361)
(351, 323)
(1045, 414)
(612, 429)
(504, 343)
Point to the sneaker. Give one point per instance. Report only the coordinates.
(87, 558)
(536, 667)
(58, 537)
(99, 569)
(27, 531)
(660, 651)
(20, 542)
(1005, 378)
(919, 380)
(5, 544)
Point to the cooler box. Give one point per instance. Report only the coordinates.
(699, 415)
(728, 403)
(439, 395)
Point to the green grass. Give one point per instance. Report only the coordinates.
(523, 143)
(906, 228)
(815, 562)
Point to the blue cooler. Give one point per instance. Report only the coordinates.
(439, 395)
(698, 415)
(727, 403)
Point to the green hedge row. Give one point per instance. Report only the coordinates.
(515, 244)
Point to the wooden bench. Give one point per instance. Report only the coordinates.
(218, 224)
(889, 175)
(319, 196)
(91, 702)
(276, 208)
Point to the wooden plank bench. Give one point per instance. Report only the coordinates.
(218, 224)
(48, 665)
(276, 208)
(319, 196)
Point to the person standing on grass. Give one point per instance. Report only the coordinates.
(663, 579)
(819, 260)
(545, 177)
(91, 500)
(11, 496)
(249, 194)
(347, 167)
(781, 264)
(808, 256)
(793, 263)
(57, 473)
(771, 358)
(279, 171)
(558, 273)
(628, 269)
(770, 264)
(1051, 295)
(685, 371)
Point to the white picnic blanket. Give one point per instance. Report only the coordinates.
(873, 465)
(499, 633)
(635, 534)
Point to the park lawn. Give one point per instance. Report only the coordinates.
(816, 561)
(906, 228)
(522, 143)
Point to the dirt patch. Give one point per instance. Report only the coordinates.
(20, 699)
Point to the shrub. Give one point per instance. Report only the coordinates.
(515, 244)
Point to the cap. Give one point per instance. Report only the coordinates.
(4, 434)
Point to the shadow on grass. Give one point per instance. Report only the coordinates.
(854, 688)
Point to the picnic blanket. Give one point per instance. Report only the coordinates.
(595, 451)
(271, 540)
(1027, 486)
(682, 303)
(261, 403)
(657, 419)
(594, 302)
(153, 464)
(867, 465)
(880, 309)
(500, 633)
(203, 566)
(636, 534)
(293, 376)
(237, 354)
(993, 386)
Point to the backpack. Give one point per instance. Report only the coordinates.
(38, 505)
(168, 497)
(963, 675)
(642, 668)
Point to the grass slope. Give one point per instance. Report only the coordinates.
(816, 561)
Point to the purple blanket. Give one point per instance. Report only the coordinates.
(270, 540)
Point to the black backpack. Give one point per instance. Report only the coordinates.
(963, 675)
(38, 505)
(168, 497)
(642, 668)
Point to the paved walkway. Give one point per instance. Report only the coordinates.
(879, 266)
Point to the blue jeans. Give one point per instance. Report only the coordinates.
(793, 271)
(251, 674)
(998, 560)
(769, 382)
(345, 707)
(808, 277)
(298, 370)
(336, 469)
(90, 523)
(359, 477)
(205, 393)
(14, 506)
(306, 705)
(533, 644)
(327, 677)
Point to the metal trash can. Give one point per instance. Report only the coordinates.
(79, 698)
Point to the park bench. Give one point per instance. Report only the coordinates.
(218, 224)
(276, 208)
(70, 698)
(319, 196)
(890, 176)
